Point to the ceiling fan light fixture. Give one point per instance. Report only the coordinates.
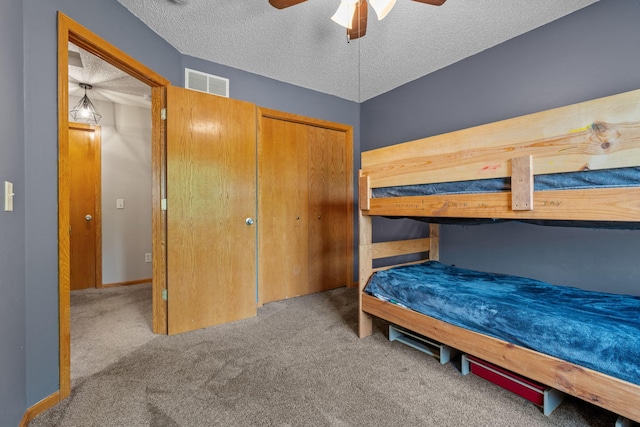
(84, 111)
(382, 7)
(344, 14)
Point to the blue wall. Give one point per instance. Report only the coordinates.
(12, 224)
(588, 54)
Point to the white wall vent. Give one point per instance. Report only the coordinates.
(203, 82)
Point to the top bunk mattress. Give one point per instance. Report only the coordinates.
(606, 178)
(596, 330)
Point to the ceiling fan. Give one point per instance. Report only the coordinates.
(352, 14)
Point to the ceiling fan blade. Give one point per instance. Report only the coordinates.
(281, 4)
(432, 2)
(359, 23)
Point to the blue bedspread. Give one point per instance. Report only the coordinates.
(596, 330)
(605, 178)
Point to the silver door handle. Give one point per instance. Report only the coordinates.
(88, 217)
(248, 221)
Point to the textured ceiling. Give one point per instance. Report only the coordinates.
(109, 83)
(302, 46)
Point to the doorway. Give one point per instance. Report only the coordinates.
(111, 180)
(70, 31)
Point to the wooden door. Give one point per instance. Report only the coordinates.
(329, 217)
(283, 210)
(211, 192)
(84, 206)
(305, 207)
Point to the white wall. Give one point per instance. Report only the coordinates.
(126, 174)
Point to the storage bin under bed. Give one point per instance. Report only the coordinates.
(539, 394)
(440, 351)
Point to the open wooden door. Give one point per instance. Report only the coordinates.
(211, 207)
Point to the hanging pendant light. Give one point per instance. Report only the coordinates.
(84, 111)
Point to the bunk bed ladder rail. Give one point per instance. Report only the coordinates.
(369, 252)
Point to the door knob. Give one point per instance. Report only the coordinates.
(88, 217)
(248, 221)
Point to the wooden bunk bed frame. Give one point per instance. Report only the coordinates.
(598, 134)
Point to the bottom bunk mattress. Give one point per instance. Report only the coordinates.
(595, 330)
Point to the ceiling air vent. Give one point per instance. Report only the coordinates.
(204, 82)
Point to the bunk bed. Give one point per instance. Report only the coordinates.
(577, 165)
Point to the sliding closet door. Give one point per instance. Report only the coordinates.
(283, 210)
(211, 192)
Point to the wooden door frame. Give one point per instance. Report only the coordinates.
(97, 216)
(70, 31)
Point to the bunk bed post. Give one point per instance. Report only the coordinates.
(365, 327)
(365, 323)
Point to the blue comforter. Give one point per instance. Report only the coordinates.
(596, 330)
(604, 178)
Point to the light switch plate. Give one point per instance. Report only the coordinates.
(8, 196)
(119, 203)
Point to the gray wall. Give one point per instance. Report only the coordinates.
(588, 54)
(12, 224)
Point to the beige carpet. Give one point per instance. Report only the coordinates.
(299, 363)
(106, 325)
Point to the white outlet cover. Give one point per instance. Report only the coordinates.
(8, 196)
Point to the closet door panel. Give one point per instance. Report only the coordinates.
(282, 210)
(328, 209)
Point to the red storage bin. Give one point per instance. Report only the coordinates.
(524, 387)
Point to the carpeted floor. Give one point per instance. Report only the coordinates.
(106, 325)
(298, 363)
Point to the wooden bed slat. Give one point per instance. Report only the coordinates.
(495, 163)
(610, 204)
(521, 183)
(610, 393)
(400, 247)
(387, 267)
